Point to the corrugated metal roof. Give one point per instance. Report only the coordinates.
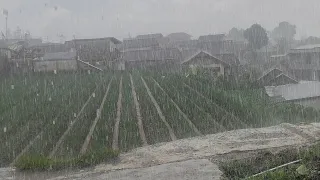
(290, 92)
(201, 53)
(309, 46)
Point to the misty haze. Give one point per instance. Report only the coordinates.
(171, 89)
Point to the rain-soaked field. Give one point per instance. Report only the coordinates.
(65, 115)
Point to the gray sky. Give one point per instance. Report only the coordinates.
(119, 18)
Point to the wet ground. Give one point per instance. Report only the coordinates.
(192, 158)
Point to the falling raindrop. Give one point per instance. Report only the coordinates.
(89, 72)
(37, 94)
(53, 122)
(94, 95)
(52, 83)
(74, 115)
(12, 86)
(50, 99)
(98, 112)
(5, 129)
(55, 71)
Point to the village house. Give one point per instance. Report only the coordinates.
(224, 65)
(145, 58)
(276, 77)
(41, 49)
(304, 62)
(97, 50)
(60, 61)
(178, 37)
(146, 41)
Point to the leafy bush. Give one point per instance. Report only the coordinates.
(41, 163)
(307, 169)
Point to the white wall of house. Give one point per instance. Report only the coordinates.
(208, 65)
(59, 65)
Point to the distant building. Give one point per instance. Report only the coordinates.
(147, 41)
(306, 93)
(41, 49)
(213, 37)
(146, 58)
(61, 61)
(276, 77)
(304, 62)
(30, 42)
(135, 44)
(179, 36)
(214, 65)
(150, 36)
(216, 44)
(95, 50)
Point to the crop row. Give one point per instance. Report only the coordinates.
(43, 114)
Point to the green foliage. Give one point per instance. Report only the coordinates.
(236, 34)
(263, 161)
(257, 36)
(41, 163)
(285, 31)
(307, 169)
(212, 105)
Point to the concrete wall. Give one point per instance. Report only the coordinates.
(59, 65)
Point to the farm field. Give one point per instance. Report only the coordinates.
(66, 115)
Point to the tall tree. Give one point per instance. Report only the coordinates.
(257, 37)
(285, 30)
(236, 34)
(284, 35)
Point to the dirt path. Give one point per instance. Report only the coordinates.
(139, 117)
(229, 113)
(88, 138)
(172, 135)
(58, 144)
(195, 129)
(115, 142)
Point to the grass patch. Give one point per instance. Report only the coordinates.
(42, 163)
(308, 168)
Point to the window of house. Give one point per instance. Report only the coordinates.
(308, 59)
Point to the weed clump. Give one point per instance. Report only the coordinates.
(42, 163)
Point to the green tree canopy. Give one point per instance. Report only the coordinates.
(257, 36)
(236, 34)
(285, 31)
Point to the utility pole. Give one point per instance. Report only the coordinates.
(6, 27)
(6, 13)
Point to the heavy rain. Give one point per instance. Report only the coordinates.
(171, 89)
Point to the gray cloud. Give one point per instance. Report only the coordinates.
(96, 18)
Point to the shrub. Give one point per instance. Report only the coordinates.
(41, 163)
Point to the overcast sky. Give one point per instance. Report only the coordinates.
(119, 18)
